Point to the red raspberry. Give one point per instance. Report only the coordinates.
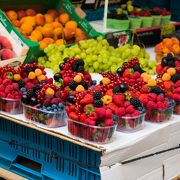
(6, 82)
(121, 111)
(8, 89)
(29, 85)
(15, 86)
(126, 103)
(130, 109)
(2, 87)
(160, 98)
(109, 122)
(2, 94)
(10, 96)
(152, 96)
(136, 113)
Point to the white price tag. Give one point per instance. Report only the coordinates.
(90, 1)
(16, 38)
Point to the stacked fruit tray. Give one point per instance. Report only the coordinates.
(121, 101)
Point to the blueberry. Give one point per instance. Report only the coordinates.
(48, 108)
(54, 106)
(94, 82)
(55, 110)
(23, 89)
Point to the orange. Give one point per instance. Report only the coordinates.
(158, 48)
(106, 81)
(43, 44)
(37, 34)
(159, 57)
(33, 38)
(175, 40)
(152, 82)
(16, 23)
(71, 25)
(166, 77)
(78, 78)
(47, 30)
(167, 41)
(31, 75)
(68, 33)
(48, 18)
(57, 32)
(171, 71)
(17, 77)
(40, 19)
(38, 72)
(78, 32)
(12, 15)
(80, 88)
(53, 13)
(166, 50)
(64, 18)
(146, 77)
(48, 40)
(176, 49)
(57, 24)
(26, 29)
(60, 42)
(28, 20)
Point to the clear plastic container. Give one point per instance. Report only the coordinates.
(130, 123)
(12, 106)
(177, 108)
(155, 115)
(91, 133)
(51, 119)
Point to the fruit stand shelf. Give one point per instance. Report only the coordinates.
(152, 138)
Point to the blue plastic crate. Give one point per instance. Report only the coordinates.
(36, 155)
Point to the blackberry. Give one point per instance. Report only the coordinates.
(175, 78)
(123, 87)
(156, 90)
(84, 84)
(80, 69)
(70, 99)
(36, 89)
(75, 66)
(116, 90)
(25, 99)
(97, 95)
(29, 69)
(98, 103)
(30, 93)
(21, 83)
(120, 71)
(65, 60)
(73, 84)
(164, 62)
(61, 65)
(170, 57)
(135, 102)
(33, 101)
(138, 68)
(171, 63)
(57, 77)
(80, 62)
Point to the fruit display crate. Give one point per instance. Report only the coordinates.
(42, 6)
(35, 155)
(37, 152)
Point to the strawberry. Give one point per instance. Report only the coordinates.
(66, 80)
(74, 116)
(118, 99)
(109, 122)
(128, 72)
(67, 109)
(101, 112)
(112, 106)
(168, 85)
(72, 107)
(177, 83)
(166, 104)
(159, 68)
(88, 109)
(83, 117)
(108, 114)
(131, 123)
(136, 75)
(93, 116)
(121, 111)
(88, 99)
(91, 122)
(130, 109)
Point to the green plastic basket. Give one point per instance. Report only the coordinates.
(146, 22)
(117, 24)
(156, 20)
(135, 23)
(165, 20)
